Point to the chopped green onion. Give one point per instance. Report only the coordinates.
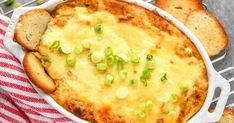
(174, 97)
(133, 82)
(120, 63)
(78, 49)
(16, 5)
(135, 59)
(86, 44)
(108, 51)
(96, 57)
(146, 74)
(168, 107)
(110, 59)
(150, 65)
(149, 57)
(40, 1)
(98, 28)
(149, 105)
(142, 114)
(55, 45)
(9, 2)
(164, 77)
(109, 80)
(71, 60)
(101, 66)
(123, 74)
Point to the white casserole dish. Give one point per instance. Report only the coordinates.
(215, 80)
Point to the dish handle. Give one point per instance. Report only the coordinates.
(204, 115)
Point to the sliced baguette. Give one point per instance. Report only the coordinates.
(227, 117)
(37, 74)
(30, 28)
(208, 30)
(179, 8)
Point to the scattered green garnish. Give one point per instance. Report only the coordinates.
(98, 28)
(55, 45)
(174, 97)
(164, 78)
(120, 63)
(71, 60)
(149, 57)
(40, 2)
(142, 114)
(123, 74)
(110, 59)
(146, 74)
(101, 66)
(64, 50)
(108, 51)
(109, 79)
(134, 82)
(16, 5)
(9, 2)
(135, 59)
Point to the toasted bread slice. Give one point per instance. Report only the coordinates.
(37, 74)
(30, 28)
(208, 30)
(227, 117)
(179, 8)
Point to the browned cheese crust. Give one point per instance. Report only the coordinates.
(138, 16)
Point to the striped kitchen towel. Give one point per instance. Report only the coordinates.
(19, 102)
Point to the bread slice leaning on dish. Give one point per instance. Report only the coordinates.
(95, 58)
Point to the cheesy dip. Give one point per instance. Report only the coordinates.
(116, 62)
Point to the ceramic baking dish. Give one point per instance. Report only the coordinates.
(215, 80)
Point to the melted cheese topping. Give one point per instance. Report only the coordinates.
(88, 82)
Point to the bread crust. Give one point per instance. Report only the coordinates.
(18, 32)
(37, 74)
(222, 35)
(179, 8)
(227, 117)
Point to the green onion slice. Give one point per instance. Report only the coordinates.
(78, 49)
(16, 5)
(149, 105)
(86, 44)
(109, 80)
(101, 66)
(123, 74)
(134, 82)
(110, 59)
(135, 59)
(55, 45)
(98, 28)
(149, 57)
(164, 78)
(64, 50)
(108, 51)
(184, 87)
(174, 97)
(71, 60)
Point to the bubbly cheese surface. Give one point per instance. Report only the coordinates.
(87, 83)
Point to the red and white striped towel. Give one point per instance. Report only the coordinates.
(19, 102)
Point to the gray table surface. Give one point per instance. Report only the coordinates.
(222, 9)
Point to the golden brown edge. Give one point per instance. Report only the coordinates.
(37, 74)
